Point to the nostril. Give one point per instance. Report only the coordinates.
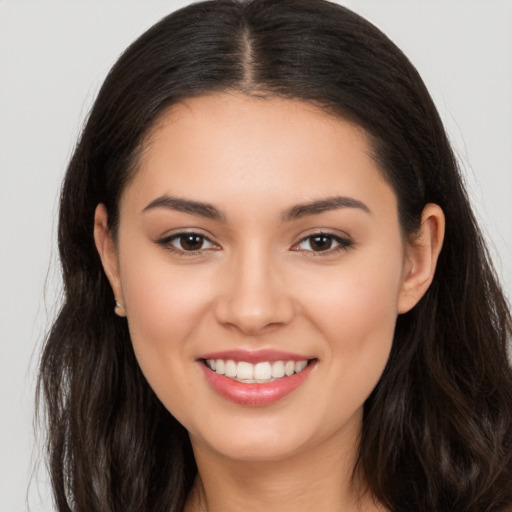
(255, 316)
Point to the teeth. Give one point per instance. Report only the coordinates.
(244, 371)
(300, 365)
(289, 368)
(219, 363)
(230, 369)
(262, 372)
(278, 369)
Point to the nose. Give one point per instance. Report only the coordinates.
(254, 297)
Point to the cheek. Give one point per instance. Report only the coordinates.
(165, 304)
(356, 313)
(367, 311)
(359, 296)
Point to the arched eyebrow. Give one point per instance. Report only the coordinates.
(322, 205)
(196, 208)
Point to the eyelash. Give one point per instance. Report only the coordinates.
(343, 244)
(167, 242)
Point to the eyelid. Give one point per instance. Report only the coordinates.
(343, 243)
(166, 242)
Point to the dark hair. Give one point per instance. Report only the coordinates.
(437, 429)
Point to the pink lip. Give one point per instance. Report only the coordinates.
(255, 356)
(255, 394)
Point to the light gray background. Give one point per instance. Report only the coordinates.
(53, 57)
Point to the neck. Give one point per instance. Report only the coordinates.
(318, 479)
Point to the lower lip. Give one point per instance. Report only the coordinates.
(255, 394)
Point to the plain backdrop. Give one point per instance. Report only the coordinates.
(53, 57)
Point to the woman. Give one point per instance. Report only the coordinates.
(277, 297)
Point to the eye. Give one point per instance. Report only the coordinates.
(322, 243)
(187, 243)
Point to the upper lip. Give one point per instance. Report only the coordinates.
(255, 356)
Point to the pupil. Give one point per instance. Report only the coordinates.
(191, 242)
(321, 243)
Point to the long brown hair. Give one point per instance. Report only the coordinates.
(437, 431)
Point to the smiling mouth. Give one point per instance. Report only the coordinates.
(259, 373)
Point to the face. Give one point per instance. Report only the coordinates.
(261, 267)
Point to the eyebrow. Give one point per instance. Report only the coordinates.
(298, 211)
(186, 206)
(323, 205)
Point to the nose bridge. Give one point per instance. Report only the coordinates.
(254, 297)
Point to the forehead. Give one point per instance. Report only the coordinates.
(224, 147)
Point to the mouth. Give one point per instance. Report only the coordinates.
(255, 379)
(262, 372)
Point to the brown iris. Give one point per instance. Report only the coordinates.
(191, 242)
(320, 242)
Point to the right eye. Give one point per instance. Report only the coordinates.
(187, 243)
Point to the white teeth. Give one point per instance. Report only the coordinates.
(300, 365)
(289, 368)
(219, 366)
(262, 372)
(230, 368)
(278, 369)
(244, 371)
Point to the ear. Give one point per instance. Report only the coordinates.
(421, 258)
(108, 255)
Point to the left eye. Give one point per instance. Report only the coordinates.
(322, 242)
(188, 242)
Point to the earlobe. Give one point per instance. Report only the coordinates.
(108, 255)
(421, 258)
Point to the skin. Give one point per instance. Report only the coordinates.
(257, 283)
